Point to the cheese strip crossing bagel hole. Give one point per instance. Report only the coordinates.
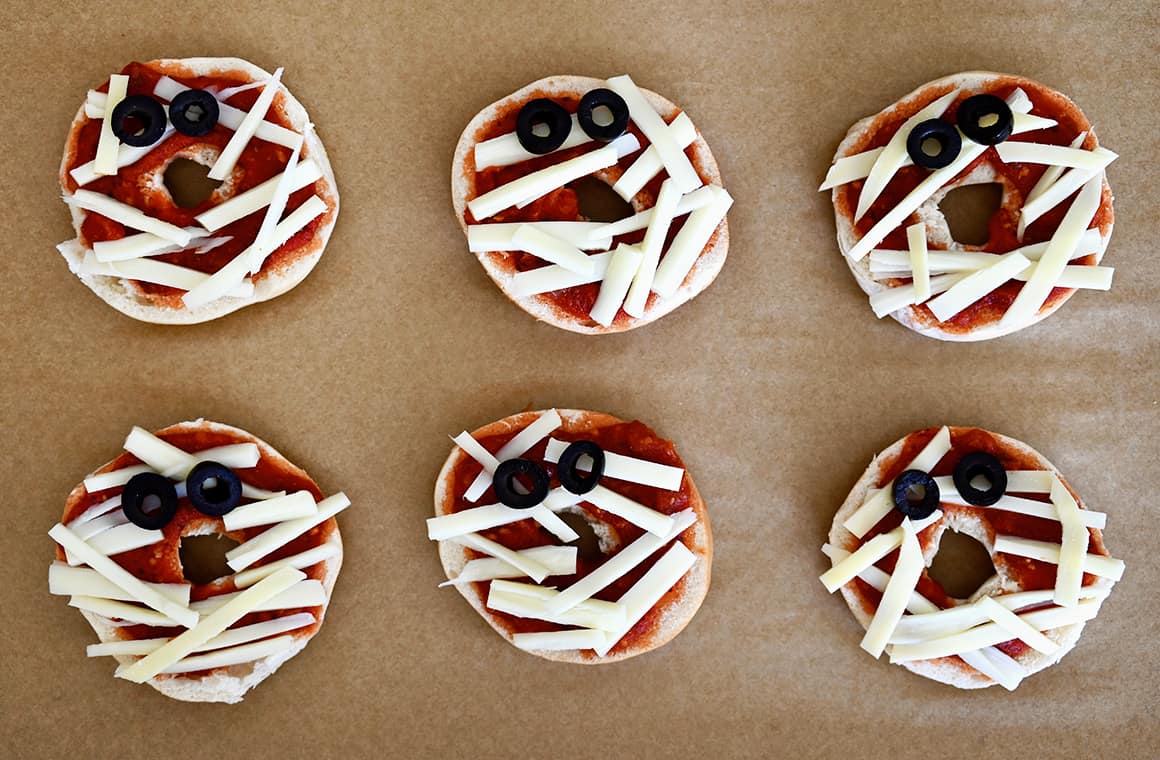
(649, 164)
(560, 560)
(625, 468)
(642, 219)
(272, 539)
(524, 440)
(232, 118)
(229, 638)
(305, 173)
(624, 145)
(638, 514)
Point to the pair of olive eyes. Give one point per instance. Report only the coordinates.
(542, 125)
(150, 500)
(916, 494)
(139, 120)
(985, 119)
(507, 475)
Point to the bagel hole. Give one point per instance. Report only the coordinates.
(968, 211)
(188, 183)
(961, 566)
(588, 545)
(598, 202)
(203, 558)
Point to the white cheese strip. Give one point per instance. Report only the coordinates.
(1059, 191)
(551, 641)
(990, 634)
(158, 273)
(97, 510)
(140, 245)
(129, 613)
(561, 498)
(104, 480)
(617, 566)
(127, 155)
(519, 445)
(649, 163)
(229, 638)
(937, 624)
(120, 539)
(933, 452)
(305, 593)
(95, 104)
(870, 552)
(1017, 627)
(638, 514)
(263, 244)
(506, 150)
(497, 236)
(245, 131)
(977, 285)
(1063, 243)
(1029, 481)
(919, 261)
(236, 456)
(689, 243)
(560, 560)
(529, 566)
(127, 215)
(211, 626)
(89, 528)
(301, 561)
(889, 300)
(626, 468)
(965, 261)
(518, 599)
(228, 92)
(948, 494)
(642, 219)
(122, 578)
(1044, 551)
(1073, 547)
(272, 539)
(879, 501)
(538, 243)
(654, 240)
(222, 658)
(232, 118)
(1052, 173)
(901, 585)
(105, 162)
(890, 159)
(64, 580)
(476, 519)
(175, 463)
(650, 589)
(555, 277)
(292, 506)
(625, 145)
(476, 451)
(671, 153)
(622, 268)
(1086, 277)
(253, 492)
(226, 278)
(258, 197)
(1052, 155)
(539, 183)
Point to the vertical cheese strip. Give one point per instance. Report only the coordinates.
(879, 501)
(650, 589)
(222, 658)
(229, 638)
(506, 149)
(527, 565)
(306, 559)
(689, 243)
(211, 626)
(541, 182)
(1052, 155)
(157, 272)
(128, 613)
(700, 197)
(1065, 240)
(1073, 547)
(258, 197)
(555, 277)
(1052, 173)
(672, 155)
(497, 236)
(104, 480)
(64, 580)
(107, 144)
(649, 163)
(898, 591)
(1018, 628)
(977, 285)
(520, 443)
(532, 240)
(552, 641)
(654, 241)
(122, 578)
(1044, 551)
(870, 552)
(638, 514)
(526, 601)
(474, 520)
(890, 300)
(560, 560)
(263, 244)
(1060, 190)
(626, 468)
(290, 507)
(919, 266)
(617, 279)
(128, 216)
(272, 539)
(232, 118)
(245, 131)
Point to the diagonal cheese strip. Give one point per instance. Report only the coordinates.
(879, 501)
(232, 118)
(890, 159)
(529, 566)
(654, 240)
(245, 131)
(977, 285)
(1045, 551)
(1016, 626)
(699, 198)
(1013, 152)
(210, 626)
(898, 591)
(560, 560)
(552, 249)
(555, 277)
(127, 155)
(476, 451)
(526, 601)
(238, 655)
(64, 580)
(690, 242)
(272, 539)
(95, 511)
(89, 528)
(1059, 191)
(176, 463)
(625, 144)
(114, 610)
(672, 155)
(519, 444)
(107, 144)
(890, 300)
(264, 244)
(650, 589)
(554, 641)
(621, 467)
(870, 552)
(618, 277)
(229, 638)
(121, 538)
(130, 216)
(158, 273)
(301, 561)
(497, 236)
(919, 261)
(258, 197)
(638, 514)
(1052, 173)
(289, 507)
(305, 593)
(1065, 240)
(473, 520)
(948, 494)
(105, 480)
(540, 182)
(1073, 547)
(122, 578)
(506, 149)
(649, 163)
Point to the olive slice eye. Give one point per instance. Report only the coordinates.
(980, 464)
(138, 120)
(933, 144)
(194, 112)
(616, 118)
(985, 119)
(569, 471)
(149, 500)
(213, 489)
(504, 482)
(916, 494)
(542, 126)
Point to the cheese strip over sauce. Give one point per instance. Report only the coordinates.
(621, 467)
(879, 501)
(519, 444)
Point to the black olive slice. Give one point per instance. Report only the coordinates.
(570, 476)
(542, 113)
(985, 119)
(138, 120)
(972, 466)
(149, 500)
(934, 133)
(616, 106)
(916, 494)
(504, 482)
(214, 499)
(194, 112)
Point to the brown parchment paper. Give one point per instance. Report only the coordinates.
(777, 384)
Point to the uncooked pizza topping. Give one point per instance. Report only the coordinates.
(194, 112)
(149, 500)
(985, 118)
(933, 144)
(542, 126)
(213, 489)
(602, 98)
(139, 121)
(915, 494)
(980, 464)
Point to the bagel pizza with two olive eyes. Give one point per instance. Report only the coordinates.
(1046, 240)
(1052, 571)
(512, 188)
(503, 544)
(118, 560)
(256, 236)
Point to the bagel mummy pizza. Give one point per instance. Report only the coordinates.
(1046, 240)
(118, 559)
(513, 187)
(503, 544)
(256, 236)
(1052, 571)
